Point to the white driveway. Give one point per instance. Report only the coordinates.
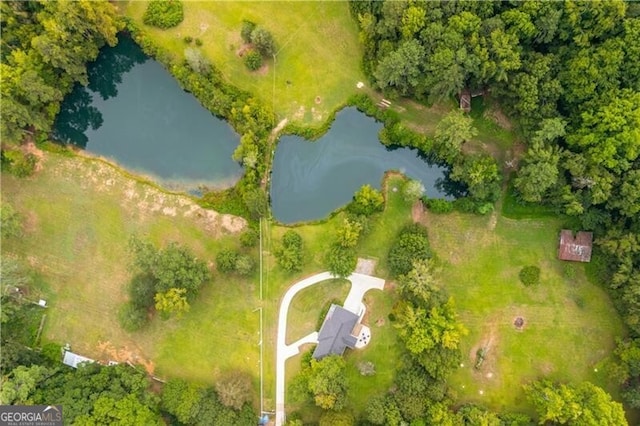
(360, 284)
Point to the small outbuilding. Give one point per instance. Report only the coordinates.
(578, 248)
(465, 100)
(337, 332)
(73, 360)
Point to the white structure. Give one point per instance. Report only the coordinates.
(72, 360)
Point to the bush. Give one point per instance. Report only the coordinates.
(10, 224)
(188, 39)
(226, 260)
(253, 60)
(198, 42)
(530, 275)
(53, 352)
(249, 238)
(341, 261)
(196, 61)
(366, 201)
(18, 164)
(412, 243)
(263, 41)
(366, 368)
(244, 264)
(412, 190)
(142, 291)
(247, 29)
(163, 13)
(290, 253)
(438, 205)
(132, 318)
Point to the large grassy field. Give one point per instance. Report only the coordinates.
(570, 323)
(78, 215)
(318, 55)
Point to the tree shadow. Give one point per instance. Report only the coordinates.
(76, 115)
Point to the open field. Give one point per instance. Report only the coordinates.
(318, 55)
(78, 215)
(565, 314)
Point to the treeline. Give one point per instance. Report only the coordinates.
(568, 73)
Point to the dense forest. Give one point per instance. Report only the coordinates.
(567, 72)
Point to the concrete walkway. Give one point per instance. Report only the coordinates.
(360, 284)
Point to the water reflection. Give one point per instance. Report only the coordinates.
(76, 116)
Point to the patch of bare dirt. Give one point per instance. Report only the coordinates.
(109, 352)
(417, 212)
(299, 114)
(490, 344)
(30, 222)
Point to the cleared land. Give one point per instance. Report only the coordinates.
(564, 314)
(317, 62)
(78, 215)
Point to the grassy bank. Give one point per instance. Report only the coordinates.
(317, 61)
(77, 217)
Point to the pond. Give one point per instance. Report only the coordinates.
(134, 113)
(311, 179)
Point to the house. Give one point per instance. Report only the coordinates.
(576, 249)
(72, 360)
(338, 332)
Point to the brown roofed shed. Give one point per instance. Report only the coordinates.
(577, 249)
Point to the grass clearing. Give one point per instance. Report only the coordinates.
(564, 314)
(318, 56)
(307, 306)
(78, 215)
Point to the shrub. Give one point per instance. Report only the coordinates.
(366, 368)
(10, 224)
(249, 238)
(196, 61)
(412, 190)
(366, 201)
(412, 243)
(52, 351)
(142, 291)
(438, 205)
(244, 264)
(163, 13)
(18, 164)
(188, 39)
(132, 318)
(247, 29)
(198, 42)
(290, 253)
(234, 389)
(253, 60)
(226, 260)
(530, 275)
(341, 261)
(263, 41)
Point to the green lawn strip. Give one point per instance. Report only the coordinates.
(307, 306)
(562, 315)
(517, 209)
(386, 225)
(383, 351)
(317, 64)
(78, 215)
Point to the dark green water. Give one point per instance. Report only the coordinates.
(135, 113)
(311, 179)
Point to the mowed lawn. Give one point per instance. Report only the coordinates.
(569, 323)
(78, 215)
(318, 56)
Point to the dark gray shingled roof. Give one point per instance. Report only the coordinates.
(335, 334)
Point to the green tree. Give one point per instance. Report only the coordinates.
(584, 403)
(253, 60)
(366, 201)
(401, 69)
(163, 13)
(349, 233)
(182, 399)
(419, 284)
(120, 412)
(244, 265)
(172, 302)
(451, 132)
(341, 261)
(247, 29)
(327, 382)
(290, 254)
(337, 418)
(412, 190)
(410, 245)
(263, 41)
(538, 173)
(18, 388)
